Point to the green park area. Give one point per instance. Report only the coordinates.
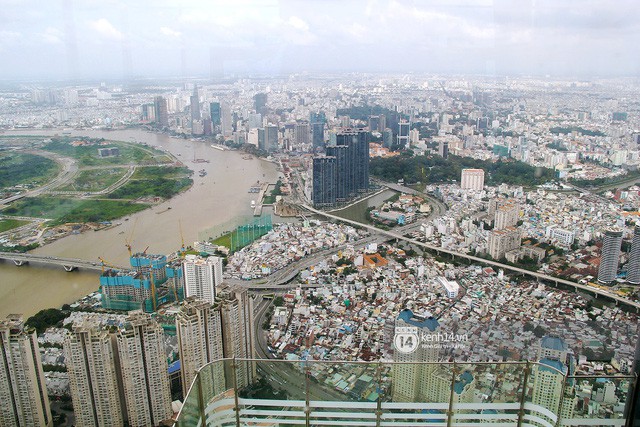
(26, 169)
(94, 179)
(96, 172)
(65, 210)
(85, 151)
(10, 224)
(435, 169)
(154, 181)
(271, 197)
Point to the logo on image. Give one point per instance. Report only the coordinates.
(406, 339)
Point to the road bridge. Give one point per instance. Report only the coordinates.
(69, 264)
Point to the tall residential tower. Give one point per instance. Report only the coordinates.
(610, 256)
(23, 394)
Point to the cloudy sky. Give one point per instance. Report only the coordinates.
(61, 39)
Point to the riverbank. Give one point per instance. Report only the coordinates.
(220, 197)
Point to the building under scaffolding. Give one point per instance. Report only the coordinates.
(151, 283)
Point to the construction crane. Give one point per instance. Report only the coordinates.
(103, 263)
(153, 290)
(128, 240)
(182, 248)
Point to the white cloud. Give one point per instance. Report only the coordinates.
(104, 27)
(170, 32)
(52, 36)
(298, 23)
(9, 38)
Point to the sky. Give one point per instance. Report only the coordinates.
(69, 39)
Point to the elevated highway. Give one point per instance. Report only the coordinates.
(534, 274)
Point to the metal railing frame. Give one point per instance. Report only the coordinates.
(527, 365)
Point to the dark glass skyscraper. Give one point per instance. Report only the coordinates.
(260, 103)
(162, 113)
(216, 113)
(317, 135)
(324, 181)
(271, 136)
(195, 105)
(345, 168)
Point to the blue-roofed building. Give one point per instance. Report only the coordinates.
(554, 348)
(408, 317)
(415, 340)
(549, 377)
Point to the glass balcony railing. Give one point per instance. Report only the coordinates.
(278, 393)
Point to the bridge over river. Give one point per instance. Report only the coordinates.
(69, 264)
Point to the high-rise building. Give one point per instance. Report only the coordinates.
(502, 241)
(387, 138)
(236, 314)
(404, 128)
(317, 135)
(226, 120)
(262, 139)
(161, 113)
(254, 121)
(382, 125)
(633, 267)
(148, 113)
(271, 136)
(207, 333)
(610, 256)
(351, 165)
(506, 215)
(554, 348)
(145, 287)
(195, 105)
(345, 121)
(143, 368)
(472, 179)
(443, 149)
(301, 133)
(199, 331)
(260, 103)
(216, 114)
(409, 375)
(324, 185)
(202, 276)
(23, 394)
(374, 123)
(90, 356)
(547, 386)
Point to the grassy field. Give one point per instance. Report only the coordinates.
(22, 168)
(62, 210)
(94, 179)
(163, 182)
(9, 224)
(87, 155)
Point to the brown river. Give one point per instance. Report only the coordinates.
(218, 200)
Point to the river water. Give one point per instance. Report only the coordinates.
(358, 211)
(220, 197)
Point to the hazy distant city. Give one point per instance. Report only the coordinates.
(383, 213)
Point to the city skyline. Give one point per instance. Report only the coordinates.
(116, 39)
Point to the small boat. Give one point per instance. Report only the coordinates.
(253, 203)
